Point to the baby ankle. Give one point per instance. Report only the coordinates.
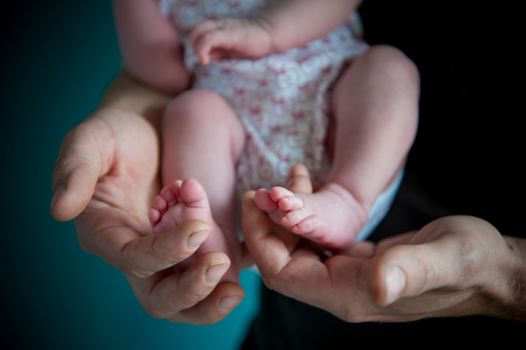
(357, 208)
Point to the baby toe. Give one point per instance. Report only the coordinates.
(264, 201)
(290, 203)
(193, 194)
(279, 192)
(160, 203)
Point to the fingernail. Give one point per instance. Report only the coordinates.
(395, 282)
(58, 192)
(215, 272)
(228, 303)
(196, 239)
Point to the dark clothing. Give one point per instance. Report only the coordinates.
(467, 159)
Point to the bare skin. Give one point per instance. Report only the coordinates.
(357, 286)
(186, 200)
(106, 176)
(454, 266)
(374, 104)
(375, 114)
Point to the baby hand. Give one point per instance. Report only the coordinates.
(229, 38)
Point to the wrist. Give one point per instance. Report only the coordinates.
(505, 290)
(267, 40)
(516, 281)
(129, 95)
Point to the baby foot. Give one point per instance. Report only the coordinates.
(187, 200)
(331, 217)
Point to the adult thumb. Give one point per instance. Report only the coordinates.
(83, 157)
(410, 270)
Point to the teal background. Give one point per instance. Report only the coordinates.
(56, 59)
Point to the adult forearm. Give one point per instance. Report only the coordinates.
(293, 23)
(128, 94)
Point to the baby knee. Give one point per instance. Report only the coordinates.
(392, 62)
(204, 111)
(195, 105)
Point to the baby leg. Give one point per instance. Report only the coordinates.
(202, 140)
(375, 104)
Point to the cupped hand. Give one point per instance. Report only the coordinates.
(105, 178)
(456, 265)
(230, 38)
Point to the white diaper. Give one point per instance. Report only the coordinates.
(281, 99)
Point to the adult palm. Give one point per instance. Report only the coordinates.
(454, 266)
(105, 177)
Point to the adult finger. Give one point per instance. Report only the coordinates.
(171, 294)
(270, 246)
(85, 155)
(216, 306)
(148, 255)
(410, 270)
(246, 257)
(301, 276)
(299, 180)
(143, 256)
(367, 249)
(404, 238)
(270, 252)
(363, 250)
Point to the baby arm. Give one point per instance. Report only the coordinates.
(149, 45)
(293, 23)
(281, 26)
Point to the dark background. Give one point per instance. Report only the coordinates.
(56, 58)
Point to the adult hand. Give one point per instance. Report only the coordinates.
(105, 177)
(458, 265)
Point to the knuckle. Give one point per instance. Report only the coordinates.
(167, 259)
(72, 134)
(154, 311)
(84, 243)
(192, 292)
(128, 265)
(164, 254)
(132, 270)
(271, 282)
(471, 257)
(77, 135)
(352, 317)
(195, 294)
(428, 276)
